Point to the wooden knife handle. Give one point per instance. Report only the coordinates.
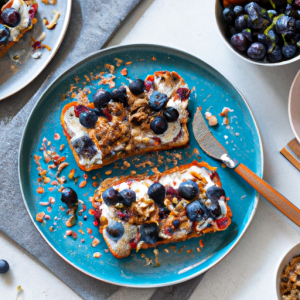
(280, 202)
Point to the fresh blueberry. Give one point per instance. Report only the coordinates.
(232, 31)
(115, 230)
(171, 114)
(157, 193)
(158, 100)
(214, 193)
(214, 209)
(195, 211)
(88, 119)
(128, 197)
(239, 41)
(149, 233)
(137, 87)
(78, 109)
(247, 34)
(176, 223)
(84, 147)
(252, 8)
(238, 11)
(285, 24)
(4, 34)
(4, 266)
(119, 95)
(11, 17)
(101, 98)
(257, 51)
(111, 197)
(241, 23)
(289, 51)
(228, 15)
(69, 196)
(262, 38)
(159, 125)
(273, 36)
(274, 54)
(188, 190)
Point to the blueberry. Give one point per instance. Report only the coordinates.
(176, 223)
(69, 196)
(239, 41)
(214, 193)
(128, 197)
(285, 24)
(4, 266)
(157, 193)
(84, 147)
(78, 109)
(275, 54)
(195, 211)
(273, 36)
(238, 11)
(101, 98)
(262, 38)
(289, 51)
(252, 8)
(257, 51)
(111, 197)
(4, 34)
(158, 100)
(119, 95)
(247, 34)
(11, 17)
(171, 114)
(88, 119)
(297, 27)
(137, 87)
(188, 190)
(99, 112)
(159, 125)
(115, 230)
(232, 31)
(214, 209)
(241, 23)
(228, 15)
(149, 233)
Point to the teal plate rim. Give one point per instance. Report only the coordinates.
(157, 48)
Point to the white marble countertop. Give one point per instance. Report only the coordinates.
(248, 272)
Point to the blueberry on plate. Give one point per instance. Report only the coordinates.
(171, 114)
(4, 34)
(111, 197)
(101, 98)
(214, 193)
(228, 15)
(149, 233)
(289, 51)
(119, 95)
(214, 209)
(158, 100)
(188, 190)
(128, 197)
(84, 147)
(88, 119)
(69, 196)
(176, 223)
(257, 51)
(137, 87)
(11, 17)
(157, 193)
(4, 266)
(159, 125)
(195, 211)
(239, 41)
(115, 230)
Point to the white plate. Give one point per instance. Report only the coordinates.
(15, 75)
(294, 106)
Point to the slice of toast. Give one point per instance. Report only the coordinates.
(124, 129)
(145, 221)
(27, 10)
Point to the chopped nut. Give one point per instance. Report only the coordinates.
(95, 242)
(108, 172)
(97, 254)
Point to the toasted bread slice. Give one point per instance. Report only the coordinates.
(124, 128)
(133, 216)
(27, 10)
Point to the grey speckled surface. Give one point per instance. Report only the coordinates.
(92, 24)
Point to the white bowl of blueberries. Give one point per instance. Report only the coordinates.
(263, 32)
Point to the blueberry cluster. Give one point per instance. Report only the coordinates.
(267, 31)
(11, 18)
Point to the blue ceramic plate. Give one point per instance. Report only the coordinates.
(241, 138)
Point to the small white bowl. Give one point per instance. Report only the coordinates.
(222, 26)
(295, 251)
(294, 106)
